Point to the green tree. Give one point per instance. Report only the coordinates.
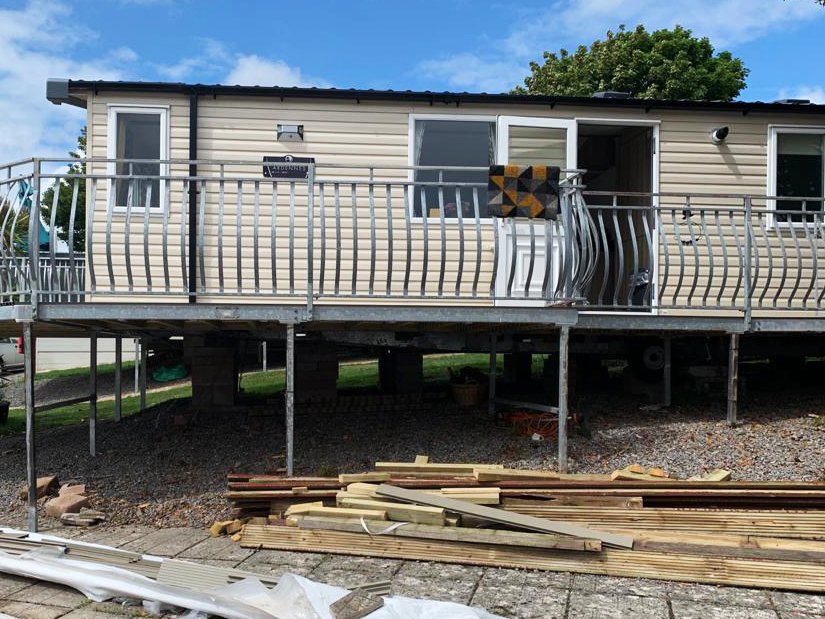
(664, 64)
(65, 189)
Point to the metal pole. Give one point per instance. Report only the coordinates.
(263, 355)
(143, 355)
(118, 376)
(137, 365)
(668, 373)
(564, 347)
(289, 396)
(92, 393)
(31, 471)
(491, 402)
(733, 378)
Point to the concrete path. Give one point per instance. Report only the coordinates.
(511, 593)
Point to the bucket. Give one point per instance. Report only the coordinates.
(467, 395)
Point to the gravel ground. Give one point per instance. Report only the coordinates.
(152, 471)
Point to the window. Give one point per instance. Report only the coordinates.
(797, 170)
(138, 133)
(463, 143)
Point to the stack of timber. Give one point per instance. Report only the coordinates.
(635, 522)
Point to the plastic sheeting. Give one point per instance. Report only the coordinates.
(294, 597)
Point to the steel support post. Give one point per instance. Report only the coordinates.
(733, 378)
(667, 373)
(118, 376)
(31, 470)
(491, 401)
(143, 355)
(263, 356)
(564, 353)
(137, 366)
(93, 394)
(289, 397)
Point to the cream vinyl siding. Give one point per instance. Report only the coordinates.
(376, 135)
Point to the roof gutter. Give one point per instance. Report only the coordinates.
(434, 98)
(57, 91)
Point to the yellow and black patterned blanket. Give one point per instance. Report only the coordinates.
(523, 191)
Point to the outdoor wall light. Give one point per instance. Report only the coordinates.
(718, 135)
(290, 133)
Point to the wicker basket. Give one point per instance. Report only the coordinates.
(468, 395)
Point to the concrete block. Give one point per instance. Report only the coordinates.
(66, 504)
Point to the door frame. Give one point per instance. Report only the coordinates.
(503, 124)
(654, 188)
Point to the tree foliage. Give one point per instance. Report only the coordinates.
(65, 189)
(664, 64)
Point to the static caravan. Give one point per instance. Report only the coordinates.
(375, 217)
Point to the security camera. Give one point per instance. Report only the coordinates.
(718, 135)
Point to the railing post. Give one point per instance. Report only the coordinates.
(310, 236)
(34, 236)
(29, 366)
(747, 260)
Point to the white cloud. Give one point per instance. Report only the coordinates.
(256, 71)
(214, 55)
(814, 94)
(569, 23)
(35, 44)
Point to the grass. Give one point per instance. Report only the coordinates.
(351, 376)
(103, 368)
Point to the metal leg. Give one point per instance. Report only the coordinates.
(118, 376)
(31, 470)
(289, 396)
(667, 373)
(137, 366)
(93, 393)
(564, 347)
(733, 378)
(263, 356)
(143, 355)
(491, 402)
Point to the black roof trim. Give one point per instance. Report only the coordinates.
(447, 98)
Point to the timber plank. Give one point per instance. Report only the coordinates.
(502, 516)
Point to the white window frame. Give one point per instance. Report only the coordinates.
(111, 149)
(773, 132)
(411, 158)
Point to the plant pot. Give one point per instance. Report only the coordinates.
(4, 411)
(468, 395)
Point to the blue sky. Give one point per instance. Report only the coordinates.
(464, 45)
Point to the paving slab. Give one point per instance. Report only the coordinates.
(114, 536)
(500, 577)
(116, 609)
(26, 610)
(50, 594)
(796, 615)
(686, 609)
(720, 596)
(388, 567)
(348, 579)
(521, 602)
(586, 605)
(445, 590)
(276, 563)
(806, 603)
(10, 583)
(644, 587)
(441, 571)
(217, 548)
(167, 542)
(90, 613)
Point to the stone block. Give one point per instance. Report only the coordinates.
(66, 504)
(72, 489)
(45, 485)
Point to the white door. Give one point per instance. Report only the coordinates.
(525, 140)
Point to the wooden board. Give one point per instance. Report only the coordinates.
(502, 516)
(500, 474)
(457, 534)
(401, 512)
(791, 575)
(367, 514)
(412, 467)
(345, 478)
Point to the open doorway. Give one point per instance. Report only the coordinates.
(619, 159)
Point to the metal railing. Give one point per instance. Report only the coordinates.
(343, 233)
